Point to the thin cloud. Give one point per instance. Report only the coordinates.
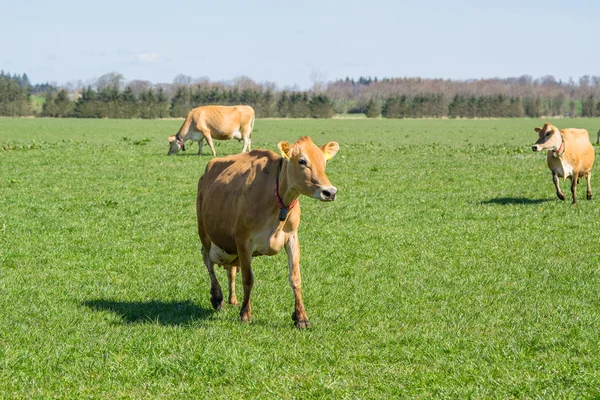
(148, 57)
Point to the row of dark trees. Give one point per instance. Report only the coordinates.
(110, 96)
(110, 102)
(435, 105)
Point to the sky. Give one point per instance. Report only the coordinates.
(295, 42)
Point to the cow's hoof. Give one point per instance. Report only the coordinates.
(304, 324)
(217, 301)
(246, 317)
(560, 196)
(589, 196)
(217, 304)
(233, 302)
(300, 323)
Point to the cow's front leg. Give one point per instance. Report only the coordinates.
(245, 258)
(209, 140)
(589, 186)
(559, 192)
(200, 143)
(292, 247)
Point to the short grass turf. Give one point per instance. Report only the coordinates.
(447, 267)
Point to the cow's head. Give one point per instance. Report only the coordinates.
(549, 138)
(175, 145)
(305, 172)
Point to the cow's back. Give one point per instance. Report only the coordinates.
(229, 191)
(224, 119)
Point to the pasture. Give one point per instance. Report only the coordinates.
(447, 267)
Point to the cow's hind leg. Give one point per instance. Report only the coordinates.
(574, 180)
(559, 192)
(589, 186)
(231, 271)
(246, 145)
(245, 259)
(216, 294)
(200, 143)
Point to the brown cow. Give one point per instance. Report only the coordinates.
(570, 155)
(214, 122)
(247, 206)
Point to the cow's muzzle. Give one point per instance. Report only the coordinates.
(327, 194)
(535, 147)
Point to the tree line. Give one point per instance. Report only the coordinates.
(111, 97)
(110, 102)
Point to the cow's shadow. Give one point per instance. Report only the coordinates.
(172, 313)
(514, 200)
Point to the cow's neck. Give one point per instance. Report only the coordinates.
(561, 149)
(287, 194)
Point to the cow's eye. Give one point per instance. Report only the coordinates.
(548, 133)
(302, 162)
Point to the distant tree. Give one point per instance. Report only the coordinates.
(112, 79)
(183, 80)
(64, 105)
(49, 107)
(128, 104)
(373, 109)
(320, 106)
(588, 106)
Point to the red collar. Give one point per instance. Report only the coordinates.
(561, 149)
(283, 210)
(180, 141)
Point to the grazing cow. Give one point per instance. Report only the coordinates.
(570, 155)
(247, 206)
(218, 122)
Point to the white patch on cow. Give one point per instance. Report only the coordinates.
(561, 167)
(220, 256)
(567, 169)
(236, 135)
(194, 136)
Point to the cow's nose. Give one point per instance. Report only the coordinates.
(534, 147)
(329, 193)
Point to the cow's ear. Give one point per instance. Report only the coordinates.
(330, 150)
(538, 129)
(286, 149)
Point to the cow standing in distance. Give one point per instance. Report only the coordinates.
(214, 122)
(247, 206)
(570, 155)
(598, 137)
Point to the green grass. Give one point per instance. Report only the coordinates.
(446, 268)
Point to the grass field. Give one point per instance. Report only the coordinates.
(446, 268)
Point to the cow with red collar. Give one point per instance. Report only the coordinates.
(247, 206)
(570, 155)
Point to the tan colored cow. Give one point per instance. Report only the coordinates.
(570, 155)
(214, 122)
(247, 206)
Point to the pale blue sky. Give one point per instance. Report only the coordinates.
(283, 41)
